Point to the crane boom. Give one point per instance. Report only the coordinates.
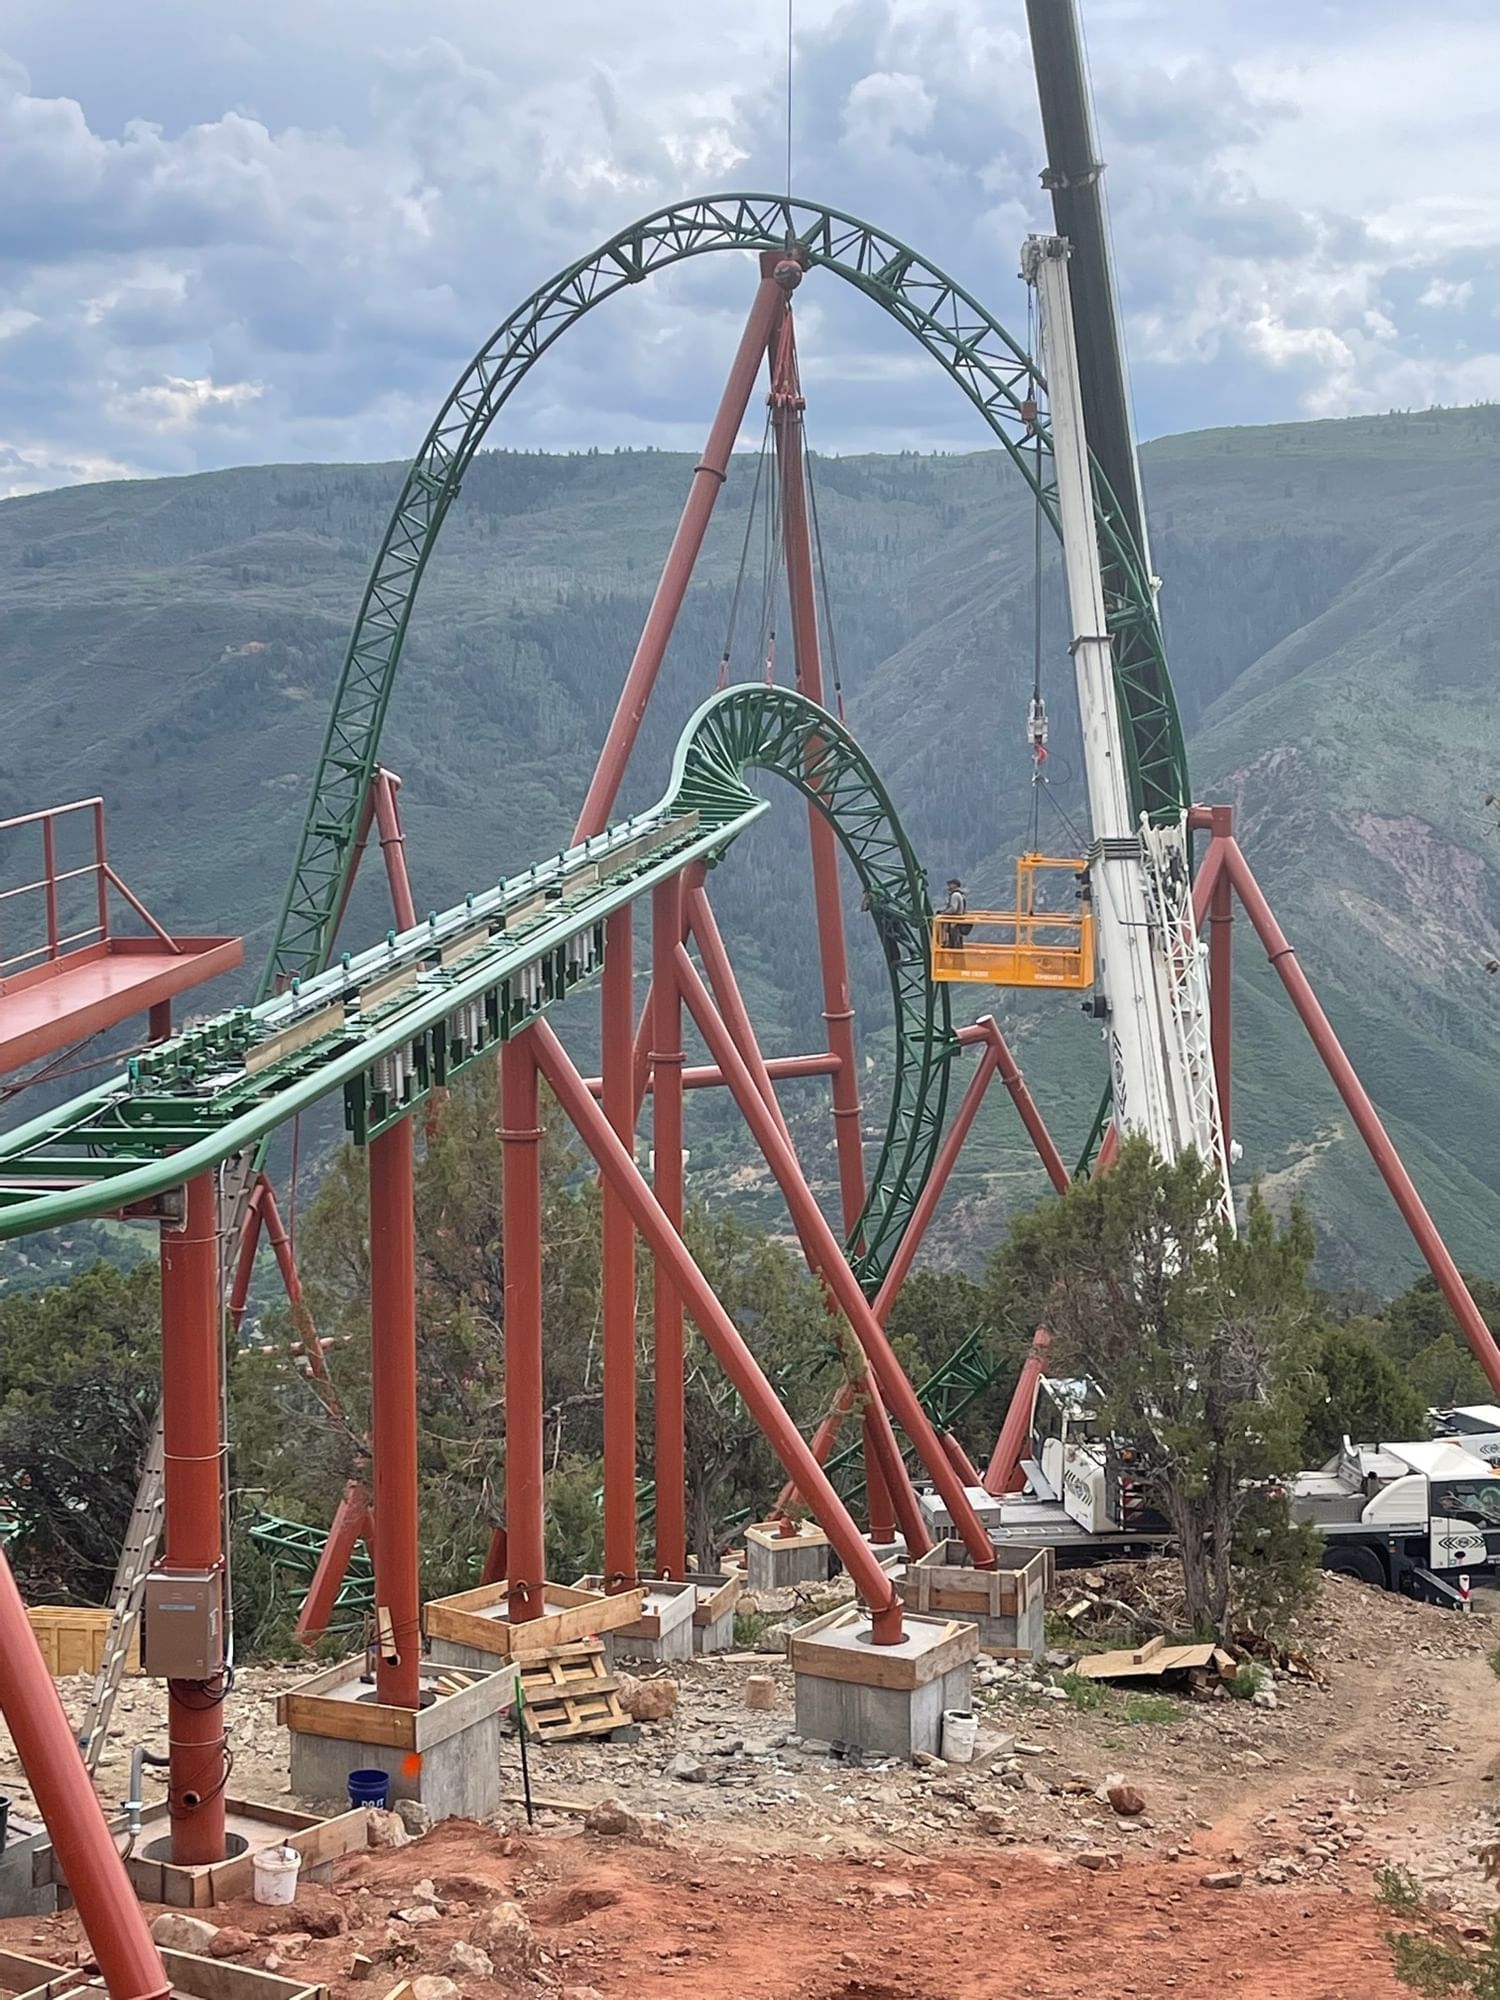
(1152, 974)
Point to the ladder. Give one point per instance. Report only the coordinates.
(137, 1557)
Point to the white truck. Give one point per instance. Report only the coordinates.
(1476, 1426)
(1412, 1517)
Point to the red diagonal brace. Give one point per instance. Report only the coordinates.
(353, 1523)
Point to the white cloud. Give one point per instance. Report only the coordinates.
(286, 243)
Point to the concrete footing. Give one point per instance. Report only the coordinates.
(774, 1561)
(474, 1628)
(26, 1890)
(447, 1753)
(1007, 1604)
(884, 1700)
(713, 1614)
(940, 1521)
(663, 1628)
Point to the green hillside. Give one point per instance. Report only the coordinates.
(1331, 604)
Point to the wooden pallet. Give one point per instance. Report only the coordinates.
(568, 1692)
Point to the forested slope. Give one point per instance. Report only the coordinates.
(1330, 598)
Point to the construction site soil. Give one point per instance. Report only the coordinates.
(746, 1862)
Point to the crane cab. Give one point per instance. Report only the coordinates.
(1027, 946)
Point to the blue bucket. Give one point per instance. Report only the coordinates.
(369, 1788)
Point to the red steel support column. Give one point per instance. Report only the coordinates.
(880, 1510)
(521, 1139)
(393, 1414)
(1221, 969)
(704, 1076)
(91, 1866)
(496, 1557)
(1366, 1118)
(896, 1391)
(1003, 1473)
(618, 1007)
(704, 926)
(708, 477)
(838, 1009)
(192, 1339)
(393, 847)
(739, 1364)
(352, 1523)
(666, 1135)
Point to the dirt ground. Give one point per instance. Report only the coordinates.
(756, 1864)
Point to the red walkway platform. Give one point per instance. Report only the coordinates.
(76, 982)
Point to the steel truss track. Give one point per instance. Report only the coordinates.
(984, 360)
(389, 1025)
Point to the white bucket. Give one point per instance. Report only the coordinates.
(275, 1875)
(960, 1728)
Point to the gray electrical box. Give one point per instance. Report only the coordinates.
(184, 1637)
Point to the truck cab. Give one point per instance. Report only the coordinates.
(1411, 1516)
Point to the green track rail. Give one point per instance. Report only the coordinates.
(391, 1024)
(987, 364)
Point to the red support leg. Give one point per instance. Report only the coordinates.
(496, 1557)
(393, 848)
(962, 1464)
(880, 1510)
(393, 1379)
(352, 1523)
(838, 1008)
(521, 1138)
(91, 1866)
(1366, 1118)
(899, 1396)
(619, 1263)
(244, 1263)
(1003, 1473)
(738, 1363)
(192, 1335)
(666, 1130)
(708, 478)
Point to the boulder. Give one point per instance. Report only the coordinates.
(610, 1819)
(433, 1986)
(414, 1816)
(229, 1943)
(1224, 1878)
(1125, 1800)
(385, 1829)
(688, 1770)
(467, 1961)
(648, 1700)
(177, 1931)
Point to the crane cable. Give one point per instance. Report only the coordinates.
(817, 537)
(744, 563)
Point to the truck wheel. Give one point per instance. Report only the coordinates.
(1364, 1565)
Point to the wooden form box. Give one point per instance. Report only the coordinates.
(477, 1618)
(717, 1595)
(319, 1841)
(192, 1978)
(828, 1648)
(329, 1704)
(1008, 1604)
(648, 1621)
(73, 1636)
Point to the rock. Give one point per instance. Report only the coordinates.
(414, 1816)
(1058, 1659)
(433, 1986)
(1224, 1878)
(1264, 1698)
(385, 1829)
(1013, 1778)
(425, 1891)
(1126, 1800)
(229, 1943)
(505, 1933)
(420, 1913)
(468, 1961)
(993, 1819)
(610, 1819)
(180, 1932)
(687, 1770)
(324, 1923)
(726, 1746)
(1271, 1874)
(1030, 1749)
(1097, 1858)
(581, 1993)
(760, 1692)
(648, 1700)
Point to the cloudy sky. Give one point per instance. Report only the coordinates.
(233, 233)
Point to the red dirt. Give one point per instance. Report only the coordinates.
(640, 1918)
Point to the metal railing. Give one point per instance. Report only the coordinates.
(52, 878)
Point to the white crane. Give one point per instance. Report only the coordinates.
(1151, 966)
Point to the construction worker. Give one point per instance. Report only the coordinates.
(957, 905)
